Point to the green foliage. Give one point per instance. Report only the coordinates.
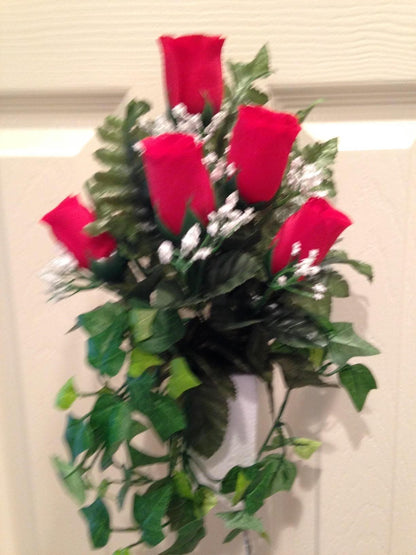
(167, 329)
(345, 344)
(305, 448)
(71, 477)
(138, 458)
(358, 381)
(98, 520)
(182, 378)
(244, 75)
(66, 395)
(241, 520)
(187, 539)
(150, 508)
(140, 361)
(227, 271)
(341, 257)
(78, 436)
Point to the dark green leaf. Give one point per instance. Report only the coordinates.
(110, 421)
(227, 271)
(138, 458)
(207, 415)
(71, 478)
(78, 436)
(180, 512)
(150, 508)
(298, 371)
(205, 500)
(188, 538)
(358, 381)
(260, 487)
(341, 257)
(101, 318)
(98, 521)
(284, 476)
(229, 482)
(161, 410)
(66, 395)
(233, 534)
(168, 294)
(135, 429)
(167, 330)
(345, 344)
(336, 285)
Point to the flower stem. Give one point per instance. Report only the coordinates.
(276, 424)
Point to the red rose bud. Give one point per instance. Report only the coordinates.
(315, 226)
(193, 74)
(67, 222)
(260, 146)
(177, 179)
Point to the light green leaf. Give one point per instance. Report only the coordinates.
(345, 344)
(284, 476)
(183, 485)
(98, 520)
(358, 381)
(181, 378)
(150, 508)
(71, 478)
(66, 395)
(124, 551)
(205, 501)
(141, 361)
(141, 321)
(241, 485)
(304, 447)
(242, 520)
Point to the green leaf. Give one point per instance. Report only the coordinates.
(284, 476)
(181, 378)
(260, 487)
(101, 318)
(103, 487)
(187, 539)
(207, 415)
(336, 285)
(66, 395)
(138, 458)
(241, 485)
(358, 381)
(299, 371)
(162, 410)
(111, 422)
(254, 96)
(233, 534)
(229, 482)
(141, 321)
(227, 271)
(150, 508)
(167, 330)
(345, 344)
(98, 520)
(205, 500)
(124, 551)
(304, 447)
(183, 485)
(242, 520)
(341, 257)
(136, 428)
(141, 361)
(78, 436)
(71, 477)
(180, 512)
(245, 74)
(168, 294)
(303, 114)
(322, 154)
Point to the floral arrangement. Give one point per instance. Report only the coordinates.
(212, 231)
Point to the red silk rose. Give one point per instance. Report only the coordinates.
(67, 222)
(315, 226)
(177, 178)
(260, 146)
(193, 73)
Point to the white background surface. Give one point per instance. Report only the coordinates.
(357, 496)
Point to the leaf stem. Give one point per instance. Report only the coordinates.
(276, 423)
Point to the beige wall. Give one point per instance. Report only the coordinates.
(358, 494)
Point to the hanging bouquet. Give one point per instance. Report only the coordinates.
(212, 231)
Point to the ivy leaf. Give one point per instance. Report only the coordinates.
(66, 395)
(284, 476)
(141, 322)
(78, 436)
(181, 378)
(205, 500)
(241, 520)
(138, 458)
(299, 371)
(345, 344)
(183, 485)
(98, 520)
(358, 381)
(305, 448)
(141, 361)
(167, 329)
(260, 487)
(207, 412)
(71, 477)
(110, 422)
(168, 294)
(187, 539)
(341, 257)
(162, 410)
(100, 319)
(240, 488)
(150, 508)
(229, 482)
(136, 428)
